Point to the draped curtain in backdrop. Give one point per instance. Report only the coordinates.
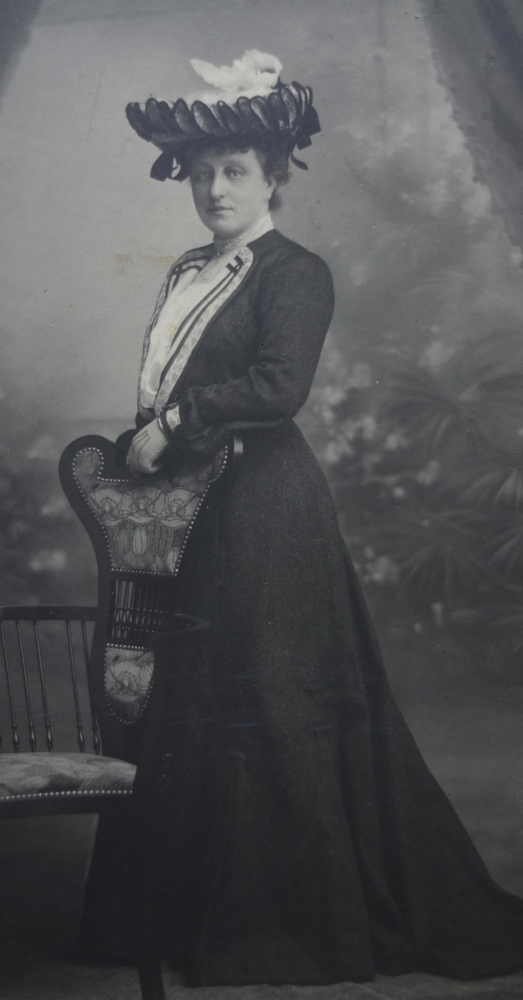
(16, 17)
(478, 47)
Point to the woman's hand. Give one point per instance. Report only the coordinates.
(146, 448)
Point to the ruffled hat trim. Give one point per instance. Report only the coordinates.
(280, 109)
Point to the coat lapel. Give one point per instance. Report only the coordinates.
(193, 259)
(197, 322)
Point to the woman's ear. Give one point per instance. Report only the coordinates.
(271, 188)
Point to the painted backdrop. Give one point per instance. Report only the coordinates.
(408, 199)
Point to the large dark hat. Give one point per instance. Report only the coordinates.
(251, 102)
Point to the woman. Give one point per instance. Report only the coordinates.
(296, 835)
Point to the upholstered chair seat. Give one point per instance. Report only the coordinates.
(62, 779)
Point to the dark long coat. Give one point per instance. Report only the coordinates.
(293, 833)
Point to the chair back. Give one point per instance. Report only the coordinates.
(139, 528)
(45, 701)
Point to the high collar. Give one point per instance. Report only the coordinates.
(262, 226)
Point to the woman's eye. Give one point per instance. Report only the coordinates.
(234, 172)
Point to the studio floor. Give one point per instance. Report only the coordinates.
(472, 742)
(52, 980)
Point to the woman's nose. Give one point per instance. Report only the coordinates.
(217, 186)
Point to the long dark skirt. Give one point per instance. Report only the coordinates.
(287, 829)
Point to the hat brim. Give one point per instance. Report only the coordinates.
(286, 114)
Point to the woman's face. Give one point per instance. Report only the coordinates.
(230, 191)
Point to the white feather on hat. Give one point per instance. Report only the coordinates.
(256, 74)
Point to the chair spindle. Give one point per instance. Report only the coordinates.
(97, 743)
(27, 692)
(138, 609)
(43, 688)
(72, 664)
(12, 711)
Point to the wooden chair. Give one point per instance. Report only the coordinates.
(52, 762)
(51, 759)
(74, 747)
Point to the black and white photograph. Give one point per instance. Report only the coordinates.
(261, 500)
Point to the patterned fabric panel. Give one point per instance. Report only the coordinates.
(146, 521)
(29, 775)
(128, 677)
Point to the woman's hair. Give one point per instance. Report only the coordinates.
(272, 151)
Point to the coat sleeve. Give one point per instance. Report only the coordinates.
(295, 308)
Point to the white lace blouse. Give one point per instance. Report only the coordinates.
(190, 290)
